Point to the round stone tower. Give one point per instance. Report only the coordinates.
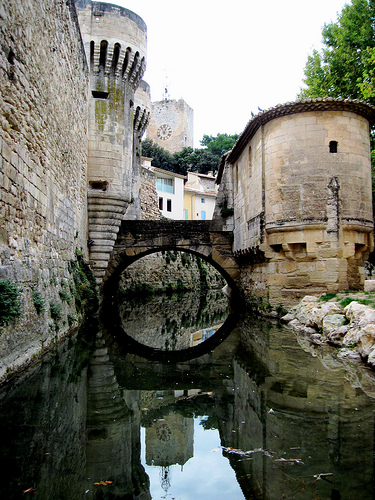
(298, 182)
(115, 41)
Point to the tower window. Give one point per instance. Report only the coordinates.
(98, 94)
(102, 185)
(115, 58)
(92, 52)
(126, 60)
(103, 53)
(333, 146)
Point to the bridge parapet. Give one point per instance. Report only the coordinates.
(139, 238)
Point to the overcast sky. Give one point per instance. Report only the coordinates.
(226, 58)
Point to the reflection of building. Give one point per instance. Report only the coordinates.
(199, 196)
(170, 441)
(171, 125)
(202, 335)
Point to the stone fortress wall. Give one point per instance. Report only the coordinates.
(299, 182)
(43, 160)
(73, 110)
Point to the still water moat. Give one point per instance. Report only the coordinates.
(261, 415)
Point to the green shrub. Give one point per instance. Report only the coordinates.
(185, 259)
(85, 293)
(346, 301)
(327, 296)
(64, 296)
(10, 304)
(39, 302)
(55, 311)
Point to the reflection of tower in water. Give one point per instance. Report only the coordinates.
(169, 441)
(165, 479)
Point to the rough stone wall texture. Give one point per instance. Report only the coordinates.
(115, 41)
(171, 125)
(149, 196)
(161, 269)
(43, 162)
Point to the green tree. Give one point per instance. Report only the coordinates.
(196, 160)
(344, 68)
(202, 160)
(161, 158)
(220, 144)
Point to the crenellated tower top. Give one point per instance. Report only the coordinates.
(115, 40)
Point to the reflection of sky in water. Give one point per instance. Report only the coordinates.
(206, 476)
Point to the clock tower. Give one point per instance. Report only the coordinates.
(171, 125)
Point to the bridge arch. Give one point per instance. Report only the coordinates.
(136, 239)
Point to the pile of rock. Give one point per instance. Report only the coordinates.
(351, 328)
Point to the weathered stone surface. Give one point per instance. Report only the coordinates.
(359, 313)
(43, 165)
(304, 309)
(349, 354)
(366, 342)
(335, 336)
(324, 309)
(164, 269)
(332, 322)
(371, 358)
(369, 285)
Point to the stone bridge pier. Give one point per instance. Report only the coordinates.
(136, 239)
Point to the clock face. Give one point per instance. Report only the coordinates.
(163, 432)
(164, 132)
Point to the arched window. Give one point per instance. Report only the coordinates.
(92, 51)
(115, 58)
(126, 60)
(103, 53)
(134, 65)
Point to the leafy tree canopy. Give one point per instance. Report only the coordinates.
(345, 66)
(160, 157)
(202, 160)
(220, 144)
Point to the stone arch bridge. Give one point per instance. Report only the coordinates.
(137, 238)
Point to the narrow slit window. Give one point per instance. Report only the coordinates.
(92, 52)
(115, 58)
(333, 146)
(134, 65)
(103, 53)
(126, 60)
(169, 205)
(160, 203)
